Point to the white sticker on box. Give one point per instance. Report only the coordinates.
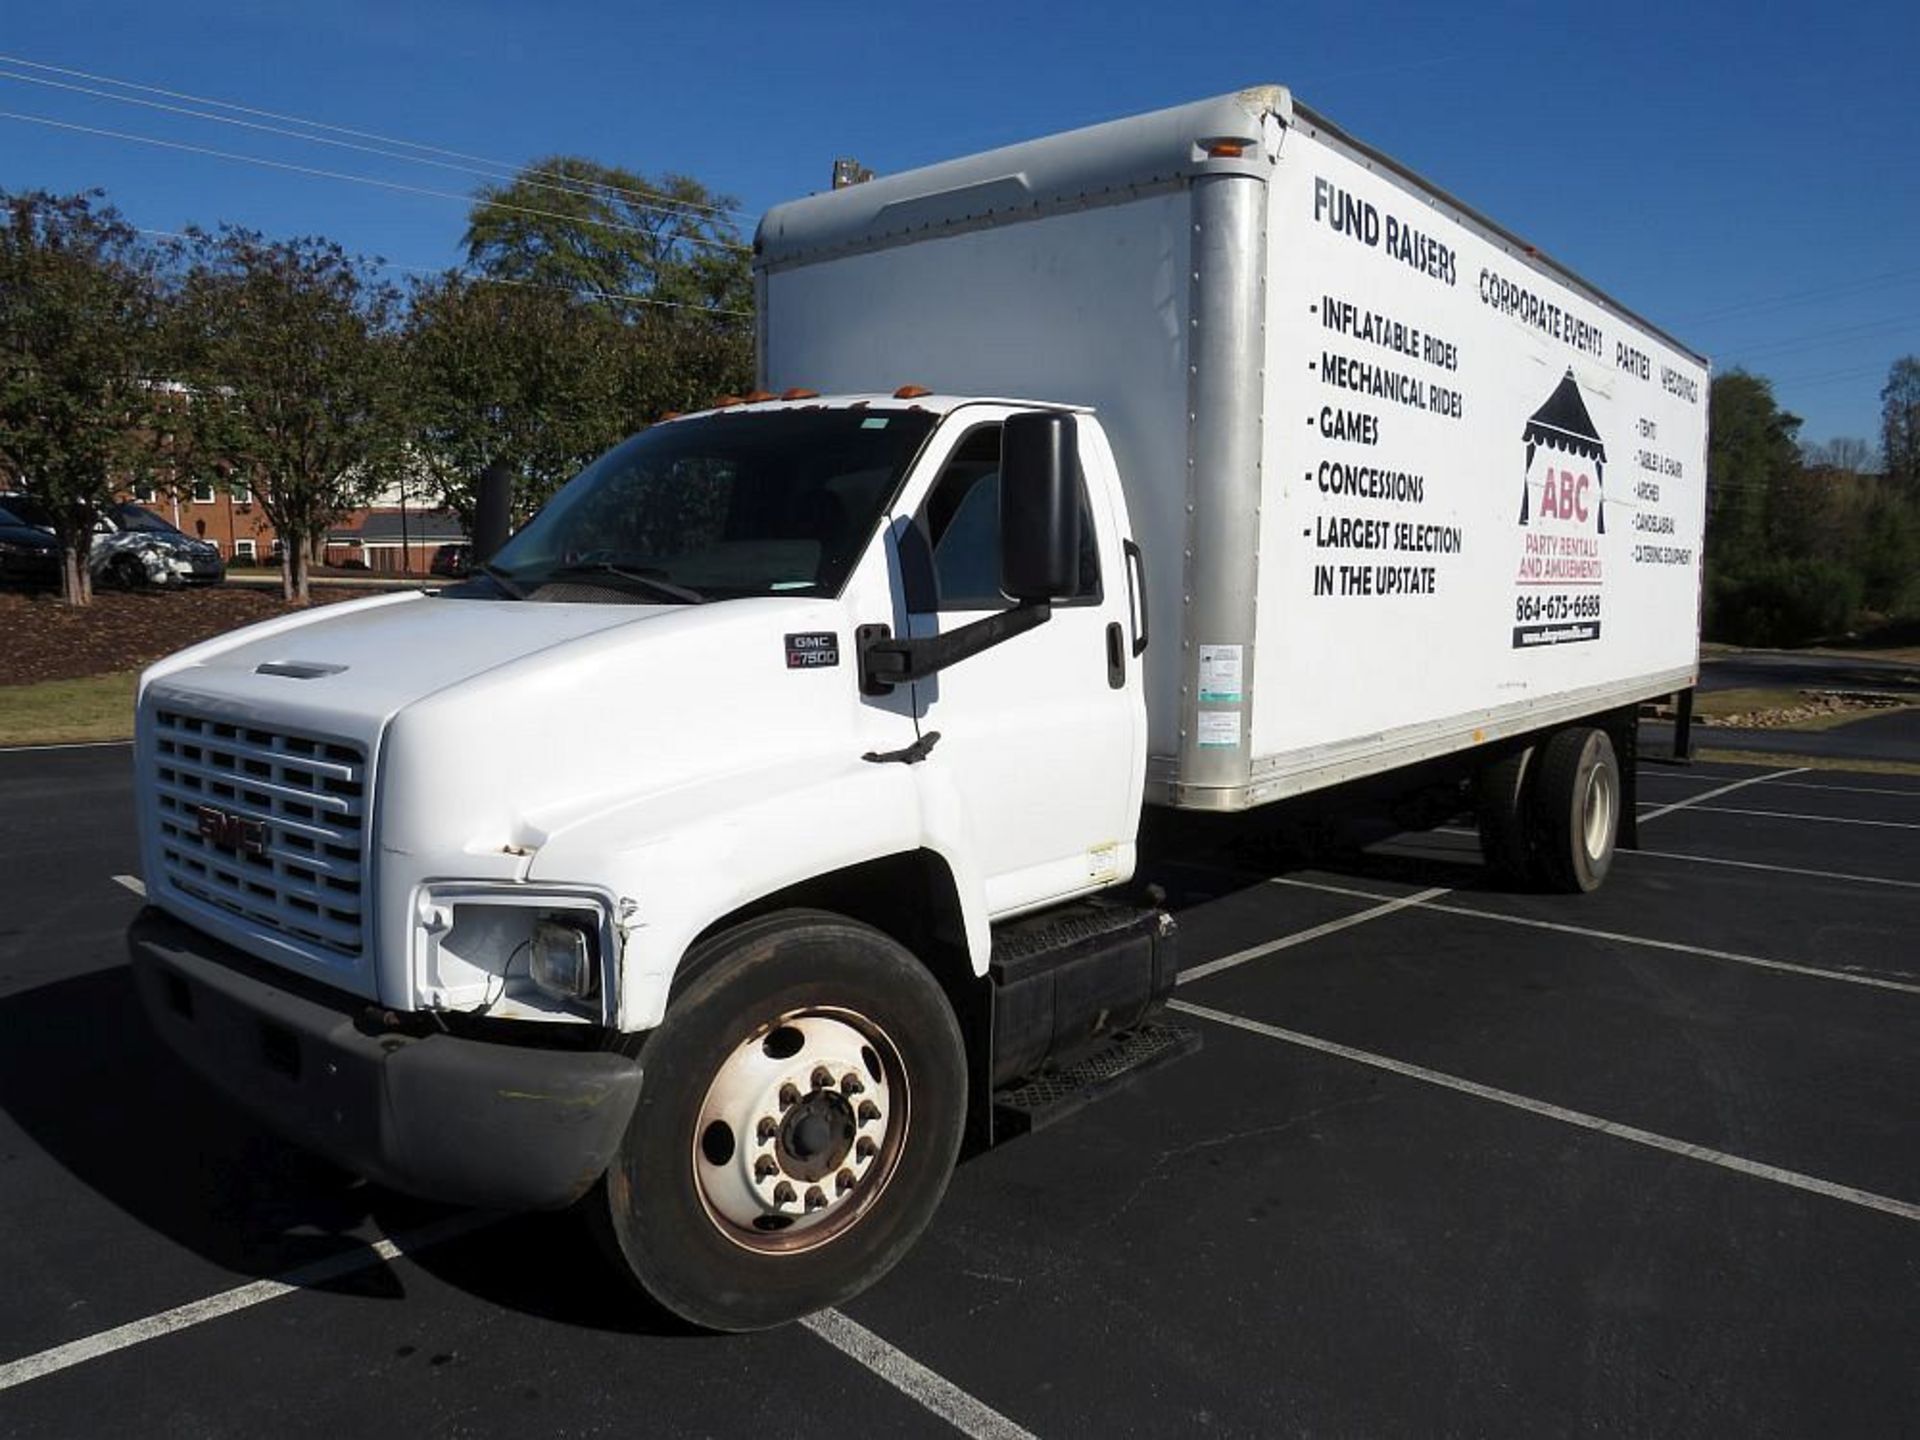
(1219, 674)
(1219, 728)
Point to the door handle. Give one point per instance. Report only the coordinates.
(1136, 594)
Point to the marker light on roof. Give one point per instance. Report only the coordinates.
(911, 392)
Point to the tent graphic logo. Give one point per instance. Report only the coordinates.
(1564, 430)
(1557, 590)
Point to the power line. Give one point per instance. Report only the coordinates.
(1816, 339)
(355, 179)
(347, 130)
(582, 188)
(1760, 305)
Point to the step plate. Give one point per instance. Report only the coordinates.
(1039, 1100)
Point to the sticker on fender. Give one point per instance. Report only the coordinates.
(812, 649)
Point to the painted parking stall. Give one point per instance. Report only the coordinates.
(1569, 1162)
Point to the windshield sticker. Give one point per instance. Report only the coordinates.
(874, 422)
(812, 650)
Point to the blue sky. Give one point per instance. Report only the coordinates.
(1746, 175)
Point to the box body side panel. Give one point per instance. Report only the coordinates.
(1484, 494)
(1085, 307)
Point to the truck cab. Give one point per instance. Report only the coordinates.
(478, 891)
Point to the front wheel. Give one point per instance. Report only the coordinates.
(800, 1114)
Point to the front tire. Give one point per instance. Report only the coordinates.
(125, 572)
(800, 1115)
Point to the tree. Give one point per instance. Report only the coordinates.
(78, 405)
(511, 375)
(612, 235)
(1900, 424)
(1751, 452)
(293, 354)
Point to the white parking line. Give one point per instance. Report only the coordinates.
(959, 1409)
(133, 883)
(1717, 860)
(70, 745)
(1301, 937)
(1775, 869)
(1646, 941)
(1866, 1199)
(198, 1312)
(1848, 789)
(1693, 800)
(1795, 815)
(914, 1380)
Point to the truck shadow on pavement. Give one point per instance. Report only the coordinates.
(85, 1079)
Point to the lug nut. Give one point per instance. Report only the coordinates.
(843, 1182)
(763, 1167)
(767, 1128)
(851, 1085)
(783, 1194)
(816, 1198)
(868, 1111)
(789, 1095)
(822, 1078)
(865, 1149)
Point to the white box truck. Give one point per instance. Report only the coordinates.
(765, 806)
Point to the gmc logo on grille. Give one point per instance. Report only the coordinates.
(232, 832)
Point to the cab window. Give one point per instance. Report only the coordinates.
(959, 527)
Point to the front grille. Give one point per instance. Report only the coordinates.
(299, 873)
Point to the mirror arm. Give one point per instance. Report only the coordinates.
(886, 662)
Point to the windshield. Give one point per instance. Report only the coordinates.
(25, 510)
(751, 503)
(135, 517)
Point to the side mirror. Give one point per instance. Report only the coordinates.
(492, 511)
(1039, 507)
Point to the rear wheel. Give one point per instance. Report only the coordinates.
(800, 1116)
(1500, 810)
(1576, 809)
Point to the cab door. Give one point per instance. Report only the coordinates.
(1042, 736)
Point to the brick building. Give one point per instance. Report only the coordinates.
(224, 516)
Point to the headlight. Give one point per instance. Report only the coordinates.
(513, 953)
(563, 963)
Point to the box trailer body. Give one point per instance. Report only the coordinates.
(1405, 486)
(754, 825)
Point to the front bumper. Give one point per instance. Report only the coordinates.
(446, 1117)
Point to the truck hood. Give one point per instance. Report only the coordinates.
(347, 669)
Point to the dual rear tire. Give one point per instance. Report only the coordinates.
(1549, 814)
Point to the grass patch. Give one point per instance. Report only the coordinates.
(61, 712)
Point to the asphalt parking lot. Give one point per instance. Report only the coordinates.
(1450, 1161)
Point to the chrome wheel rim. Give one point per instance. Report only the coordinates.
(1598, 812)
(800, 1131)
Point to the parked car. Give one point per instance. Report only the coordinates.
(132, 546)
(453, 560)
(135, 547)
(29, 555)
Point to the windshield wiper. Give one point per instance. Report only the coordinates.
(651, 582)
(501, 578)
